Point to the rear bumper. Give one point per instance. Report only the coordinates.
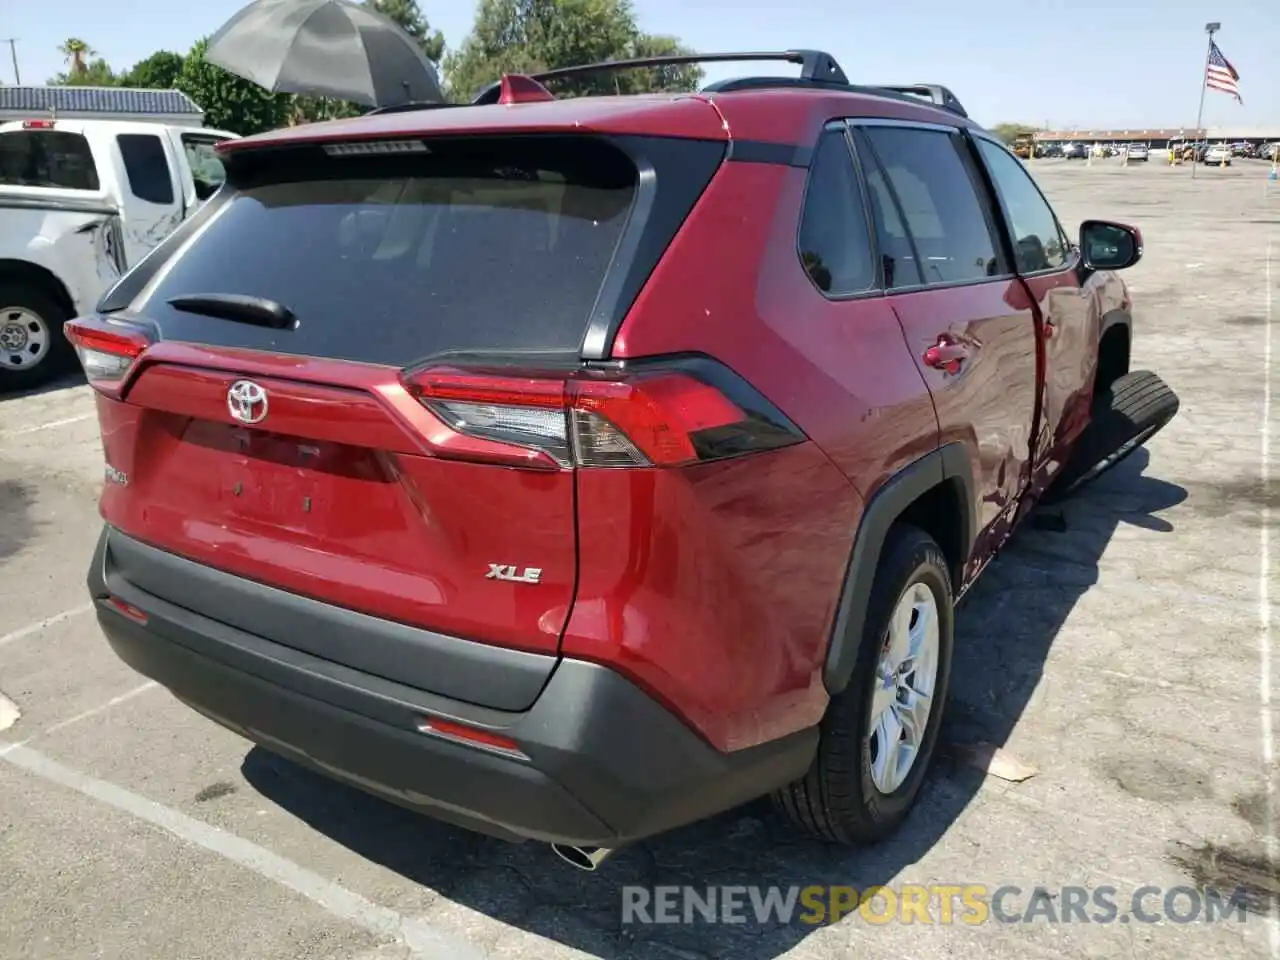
(604, 763)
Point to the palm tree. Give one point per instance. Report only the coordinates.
(76, 52)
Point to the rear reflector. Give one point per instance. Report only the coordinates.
(664, 414)
(128, 610)
(107, 350)
(472, 737)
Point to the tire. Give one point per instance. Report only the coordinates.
(33, 348)
(838, 800)
(1135, 408)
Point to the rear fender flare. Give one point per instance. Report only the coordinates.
(948, 464)
(1115, 318)
(1112, 320)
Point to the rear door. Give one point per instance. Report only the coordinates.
(967, 319)
(1068, 321)
(299, 456)
(151, 199)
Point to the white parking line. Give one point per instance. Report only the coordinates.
(47, 622)
(114, 701)
(420, 940)
(63, 724)
(80, 418)
(1264, 610)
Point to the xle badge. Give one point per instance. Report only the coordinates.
(498, 571)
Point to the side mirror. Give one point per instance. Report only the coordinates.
(1109, 246)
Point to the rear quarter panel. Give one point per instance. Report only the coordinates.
(749, 587)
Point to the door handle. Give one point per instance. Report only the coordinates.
(946, 355)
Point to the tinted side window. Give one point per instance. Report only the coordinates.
(47, 158)
(898, 256)
(835, 242)
(1038, 243)
(939, 203)
(147, 167)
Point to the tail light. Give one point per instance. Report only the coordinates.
(107, 350)
(665, 414)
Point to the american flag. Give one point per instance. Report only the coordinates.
(1220, 74)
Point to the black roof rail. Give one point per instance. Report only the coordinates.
(410, 105)
(815, 67)
(935, 93)
(818, 71)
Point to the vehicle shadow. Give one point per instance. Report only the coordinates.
(16, 523)
(74, 378)
(1006, 628)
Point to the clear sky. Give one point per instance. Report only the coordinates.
(1070, 63)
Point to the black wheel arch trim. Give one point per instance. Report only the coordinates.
(1116, 318)
(949, 464)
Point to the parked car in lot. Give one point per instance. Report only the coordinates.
(440, 456)
(1136, 152)
(1218, 153)
(80, 202)
(1075, 151)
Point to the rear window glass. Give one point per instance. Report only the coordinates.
(47, 158)
(389, 260)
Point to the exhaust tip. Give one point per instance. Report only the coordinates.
(584, 858)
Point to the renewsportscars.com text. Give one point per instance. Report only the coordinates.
(970, 904)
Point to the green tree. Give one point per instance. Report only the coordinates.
(84, 67)
(410, 18)
(529, 36)
(316, 109)
(1009, 132)
(160, 71)
(229, 102)
(663, 78)
(95, 73)
(77, 52)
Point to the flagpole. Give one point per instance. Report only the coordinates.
(1210, 29)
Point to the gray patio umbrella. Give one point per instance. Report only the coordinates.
(325, 48)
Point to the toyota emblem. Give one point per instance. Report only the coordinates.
(247, 401)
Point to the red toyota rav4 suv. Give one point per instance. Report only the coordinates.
(574, 469)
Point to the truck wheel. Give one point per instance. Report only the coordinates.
(1128, 414)
(879, 733)
(33, 348)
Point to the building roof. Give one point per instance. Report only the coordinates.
(106, 100)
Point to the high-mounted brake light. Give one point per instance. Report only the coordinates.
(37, 124)
(666, 414)
(368, 148)
(107, 350)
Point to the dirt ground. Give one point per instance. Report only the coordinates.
(1127, 659)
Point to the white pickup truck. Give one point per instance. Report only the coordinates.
(82, 201)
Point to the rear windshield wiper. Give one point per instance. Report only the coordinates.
(234, 306)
